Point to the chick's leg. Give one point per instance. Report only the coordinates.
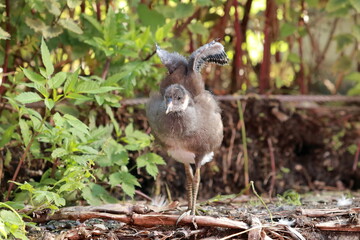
(189, 185)
(196, 183)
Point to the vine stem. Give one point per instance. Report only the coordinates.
(243, 135)
(23, 156)
(22, 159)
(262, 201)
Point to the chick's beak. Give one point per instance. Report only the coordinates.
(169, 106)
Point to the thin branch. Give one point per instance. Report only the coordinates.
(356, 158)
(327, 45)
(149, 56)
(22, 159)
(98, 10)
(244, 142)
(218, 31)
(179, 29)
(273, 167)
(106, 68)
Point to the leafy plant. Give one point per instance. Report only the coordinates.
(11, 222)
(71, 142)
(290, 197)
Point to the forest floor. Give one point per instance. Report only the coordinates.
(304, 155)
(303, 158)
(316, 215)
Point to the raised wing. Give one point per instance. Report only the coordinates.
(212, 52)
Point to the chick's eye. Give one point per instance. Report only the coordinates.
(178, 98)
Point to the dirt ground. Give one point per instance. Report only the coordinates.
(321, 215)
(303, 146)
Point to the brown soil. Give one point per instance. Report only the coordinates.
(290, 146)
(319, 217)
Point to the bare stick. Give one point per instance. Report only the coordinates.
(356, 158)
(273, 167)
(243, 135)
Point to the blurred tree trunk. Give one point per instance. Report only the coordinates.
(238, 76)
(270, 17)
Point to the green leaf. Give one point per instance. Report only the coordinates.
(113, 120)
(36, 24)
(25, 131)
(355, 4)
(126, 180)
(352, 149)
(73, 3)
(287, 29)
(53, 7)
(49, 103)
(356, 32)
(28, 97)
(354, 76)
(99, 99)
(46, 58)
(20, 235)
(115, 153)
(4, 34)
(37, 125)
(34, 77)
(110, 26)
(52, 31)
(77, 124)
(294, 58)
(96, 195)
(149, 161)
(88, 149)
(115, 78)
(41, 88)
(343, 64)
(198, 28)
(93, 21)
(334, 5)
(33, 113)
(7, 135)
(71, 25)
(71, 82)
(102, 89)
(136, 139)
(3, 231)
(184, 10)
(354, 91)
(150, 18)
(344, 40)
(26, 187)
(59, 120)
(87, 87)
(11, 218)
(312, 3)
(57, 80)
(143, 38)
(204, 2)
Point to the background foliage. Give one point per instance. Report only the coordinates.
(66, 64)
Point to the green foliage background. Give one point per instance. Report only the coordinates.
(74, 60)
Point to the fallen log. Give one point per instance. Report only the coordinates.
(129, 216)
(328, 212)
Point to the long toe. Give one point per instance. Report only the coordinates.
(184, 214)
